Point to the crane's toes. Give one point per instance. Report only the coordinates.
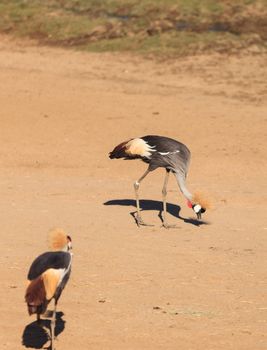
(140, 221)
(48, 314)
(165, 225)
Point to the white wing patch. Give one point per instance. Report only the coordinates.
(139, 147)
(63, 272)
(166, 153)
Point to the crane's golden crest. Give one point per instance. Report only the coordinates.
(138, 147)
(57, 239)
(202, 200)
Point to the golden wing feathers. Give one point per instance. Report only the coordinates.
(51, 279)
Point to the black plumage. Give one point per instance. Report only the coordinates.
(49, 260)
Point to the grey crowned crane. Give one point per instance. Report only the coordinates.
(160, 152)
(48, 276)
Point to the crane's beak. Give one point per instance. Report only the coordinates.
(202, 211)
(198, 210)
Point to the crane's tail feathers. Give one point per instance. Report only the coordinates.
(35, 296)
(202, 200)
(119, 151)
(58, 239)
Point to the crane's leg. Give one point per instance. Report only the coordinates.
(138, 217)
(53, 326)
(164, 196)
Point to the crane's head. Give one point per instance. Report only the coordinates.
(197, 208)
(199, 205)
(59, 240)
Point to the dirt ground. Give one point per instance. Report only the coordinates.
(193, 287)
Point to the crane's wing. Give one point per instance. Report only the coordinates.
(52, 279)
(168, 153)
(49, 260)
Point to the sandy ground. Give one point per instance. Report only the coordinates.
(194, 287)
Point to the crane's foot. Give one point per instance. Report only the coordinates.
(139, 221)
(48, 314)
(165, 225)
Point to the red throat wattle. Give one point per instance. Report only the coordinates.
(190, 205)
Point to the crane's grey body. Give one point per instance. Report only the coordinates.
(172, 155)
(158, 152)
(168, 153)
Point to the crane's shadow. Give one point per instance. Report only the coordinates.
(148, 204)
(37, 334)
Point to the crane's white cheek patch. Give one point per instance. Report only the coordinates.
(197, 208)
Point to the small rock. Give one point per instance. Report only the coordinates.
(156, 308)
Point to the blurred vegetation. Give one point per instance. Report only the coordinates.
(162, 27)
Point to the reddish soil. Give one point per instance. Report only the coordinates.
(194, 287)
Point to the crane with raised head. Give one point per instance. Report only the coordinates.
(48, 275)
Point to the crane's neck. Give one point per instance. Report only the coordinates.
(181, 183)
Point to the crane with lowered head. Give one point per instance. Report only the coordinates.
(160, 152)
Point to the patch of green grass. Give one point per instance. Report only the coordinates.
(182, 43)
(114, 45)
(194, 7)
(161, 27)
